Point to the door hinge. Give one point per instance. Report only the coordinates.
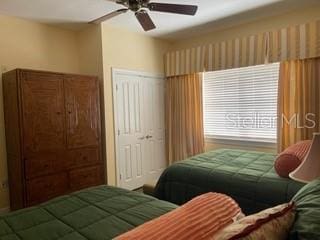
(116, 87)
(118, 132)
(120, 176)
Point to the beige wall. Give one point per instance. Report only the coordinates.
(33, 45)
(25, 44)
(90, 51)
(132, 51)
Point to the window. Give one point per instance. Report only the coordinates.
(241, 103)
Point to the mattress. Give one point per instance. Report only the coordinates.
(97, 213)
(246, 176)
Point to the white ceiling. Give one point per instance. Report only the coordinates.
(212, 14)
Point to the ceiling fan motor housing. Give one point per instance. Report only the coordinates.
(134, 5)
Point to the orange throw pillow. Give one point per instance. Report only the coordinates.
(273, 223)
(291, 158)
(195, 220)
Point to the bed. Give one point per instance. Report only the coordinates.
(101, 212)
(246, 176)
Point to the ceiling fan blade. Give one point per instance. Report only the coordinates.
(109, 15)
(145, 20)
(173, 8)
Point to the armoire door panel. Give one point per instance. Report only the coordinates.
(82, 116)
(43, 112)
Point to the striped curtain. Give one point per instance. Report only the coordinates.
(295, 42)
(298, 101)
(184, 117)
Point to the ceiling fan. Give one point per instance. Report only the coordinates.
(139, 7)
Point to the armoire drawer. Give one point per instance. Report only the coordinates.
(35, 168)
(86, 177)
(44, 164)
(44, 188)
(83, 157)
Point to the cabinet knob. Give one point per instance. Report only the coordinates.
(48, 186)
(86, 176)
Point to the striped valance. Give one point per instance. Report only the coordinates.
(297, 42)
(185, 61)
(239, 52)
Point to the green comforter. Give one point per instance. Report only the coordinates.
(307, 205)
(246, 176)
(97, 213)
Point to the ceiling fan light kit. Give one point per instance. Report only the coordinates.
(140, 7)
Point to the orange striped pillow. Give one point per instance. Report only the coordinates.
(291, 158)
(198, 219)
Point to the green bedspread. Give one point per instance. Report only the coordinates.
(246, 176)
(97, 213)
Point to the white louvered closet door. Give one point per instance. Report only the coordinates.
(140, 131)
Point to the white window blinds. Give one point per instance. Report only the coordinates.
(241, 103)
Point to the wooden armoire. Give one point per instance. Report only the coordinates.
(53, 135)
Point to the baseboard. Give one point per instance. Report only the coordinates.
(4, 210)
